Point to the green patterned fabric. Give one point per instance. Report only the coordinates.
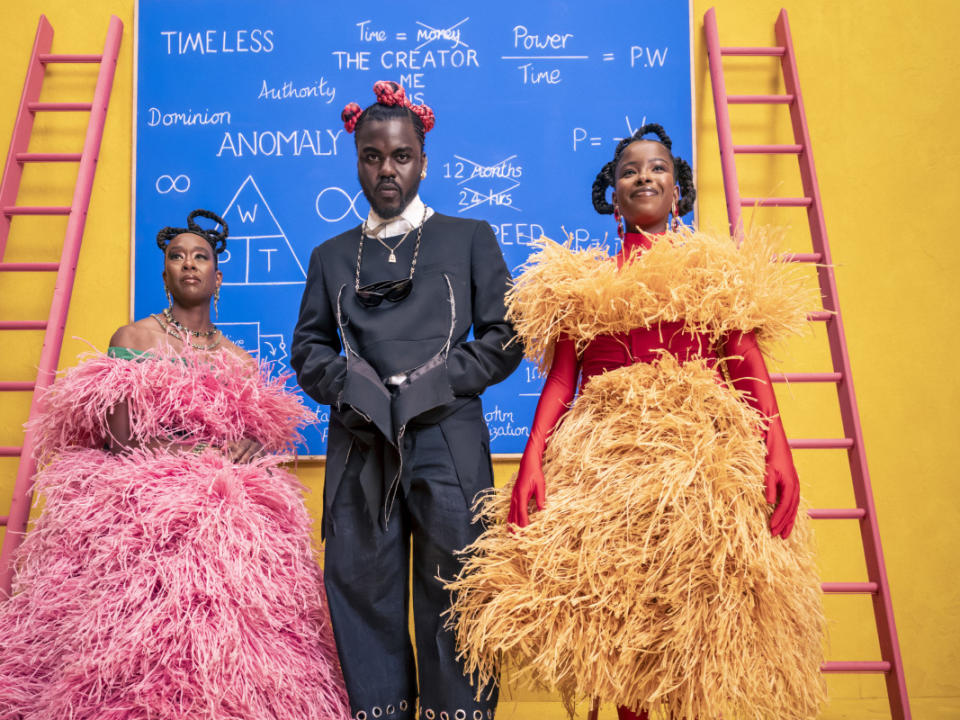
(126, 353)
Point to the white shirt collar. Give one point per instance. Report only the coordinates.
(407, 220)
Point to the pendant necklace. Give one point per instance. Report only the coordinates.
(393, 250)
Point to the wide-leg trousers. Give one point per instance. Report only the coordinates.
(367, 576)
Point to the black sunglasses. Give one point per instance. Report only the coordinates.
(390, 290)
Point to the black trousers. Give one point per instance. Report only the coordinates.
(366, 571)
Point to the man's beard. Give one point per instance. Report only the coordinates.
(391, 211)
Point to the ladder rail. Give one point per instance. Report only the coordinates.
(865, 511)
(849, 412)
(53, 339)
(23, 126)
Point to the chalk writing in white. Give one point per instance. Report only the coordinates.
(319, 89)
(186, 119)
(212, 42)
(276, 143)
(647, 57)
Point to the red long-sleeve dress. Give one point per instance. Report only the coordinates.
(650, 579)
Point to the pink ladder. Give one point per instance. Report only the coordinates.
(878, 588)
(53, 327)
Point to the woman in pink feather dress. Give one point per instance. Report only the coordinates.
(171, 572)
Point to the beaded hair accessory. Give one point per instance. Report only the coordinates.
(216, 238)
(389, 94)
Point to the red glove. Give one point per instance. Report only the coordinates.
(749, 375)
(555, 398)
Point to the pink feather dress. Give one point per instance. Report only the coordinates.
(161, 584)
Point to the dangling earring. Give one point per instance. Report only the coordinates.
(423, 174)
(616, 215)
(675, 223)
(216, 301)
(169, 298)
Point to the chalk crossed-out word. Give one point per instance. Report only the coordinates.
(468, 171)
(428, 34)
(333, 195)
(425, 35)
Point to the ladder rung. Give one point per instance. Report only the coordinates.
(23, 325)
(753, 51)
(776, 202)
(840, 666)
(760, 99)
(806, 377)
(9, 451)
(819, 443)
(29, 267)
(802, 257)
(32, 210)
(58, 107)
(51, 58)
(49, 157)
(856, 588)
(768, 149)
(837, 513)
(11, 386)
(820, 316)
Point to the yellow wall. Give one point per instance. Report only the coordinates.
(880, 82)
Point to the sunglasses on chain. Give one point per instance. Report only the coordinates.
(390, 290)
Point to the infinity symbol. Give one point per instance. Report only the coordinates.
(173, 183)
(351, 204)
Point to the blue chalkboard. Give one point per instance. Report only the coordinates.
(237, 111)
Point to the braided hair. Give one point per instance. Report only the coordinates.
(682, 172)
(391, 103)
(216, 238)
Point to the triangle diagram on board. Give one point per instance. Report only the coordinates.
(258, 250)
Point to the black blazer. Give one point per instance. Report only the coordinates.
(342, 351)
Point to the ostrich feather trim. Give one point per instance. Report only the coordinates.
(704, 280)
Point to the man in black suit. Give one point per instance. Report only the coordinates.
(382, 338)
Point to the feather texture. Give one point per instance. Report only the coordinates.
(706, 281)
(650, 578)
(168, 585)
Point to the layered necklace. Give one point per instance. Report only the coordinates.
(174, 328)
(392, 258)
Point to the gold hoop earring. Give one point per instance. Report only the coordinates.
(423, 175)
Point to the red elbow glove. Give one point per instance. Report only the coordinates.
(556, 396)
(748, 373)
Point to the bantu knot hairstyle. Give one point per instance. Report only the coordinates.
(682, 172)
(391, 103)
(217, 239)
